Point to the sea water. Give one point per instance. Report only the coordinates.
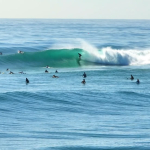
(108, 112)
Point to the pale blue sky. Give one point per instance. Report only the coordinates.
(75, 9)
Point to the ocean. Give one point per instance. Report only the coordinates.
(109, 112)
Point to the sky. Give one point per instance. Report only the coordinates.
(75, 9)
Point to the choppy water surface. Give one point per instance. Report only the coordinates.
(109, 112)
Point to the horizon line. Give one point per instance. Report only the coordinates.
(76, 18)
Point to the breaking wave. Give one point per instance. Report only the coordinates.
(69, 57)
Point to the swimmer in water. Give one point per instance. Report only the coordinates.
(0, 53)
(56, 71)
(46, 71)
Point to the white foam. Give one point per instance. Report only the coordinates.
(109, 56)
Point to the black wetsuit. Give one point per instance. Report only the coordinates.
(84, 75)
(27, 81)
(79, 55)
(132, 78)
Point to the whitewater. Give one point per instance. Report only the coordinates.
(109, 112)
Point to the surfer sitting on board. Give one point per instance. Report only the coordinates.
(84, 75)
(79, 55)
(138, 81)
(27, 81)
(83, 81)
(46, 71)
(132, 78)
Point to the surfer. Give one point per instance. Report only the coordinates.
(55, 76)
(79, 55)
(21, 52)
(46, 71)
(11, 72)
(138, 81)
(27, 81)
(84, 75)
(47, 66)
(7, 69)
(56, 71)
(83, 81)
(0, 53)
(22, 72)
(132, 78)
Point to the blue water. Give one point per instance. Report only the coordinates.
(109, 112)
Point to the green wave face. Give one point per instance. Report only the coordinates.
(52, 58)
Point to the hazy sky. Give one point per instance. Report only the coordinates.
(75, 9)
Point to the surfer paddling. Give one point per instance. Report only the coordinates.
(11, 72)
(20, 52)
(55, 76)
(21, 72)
